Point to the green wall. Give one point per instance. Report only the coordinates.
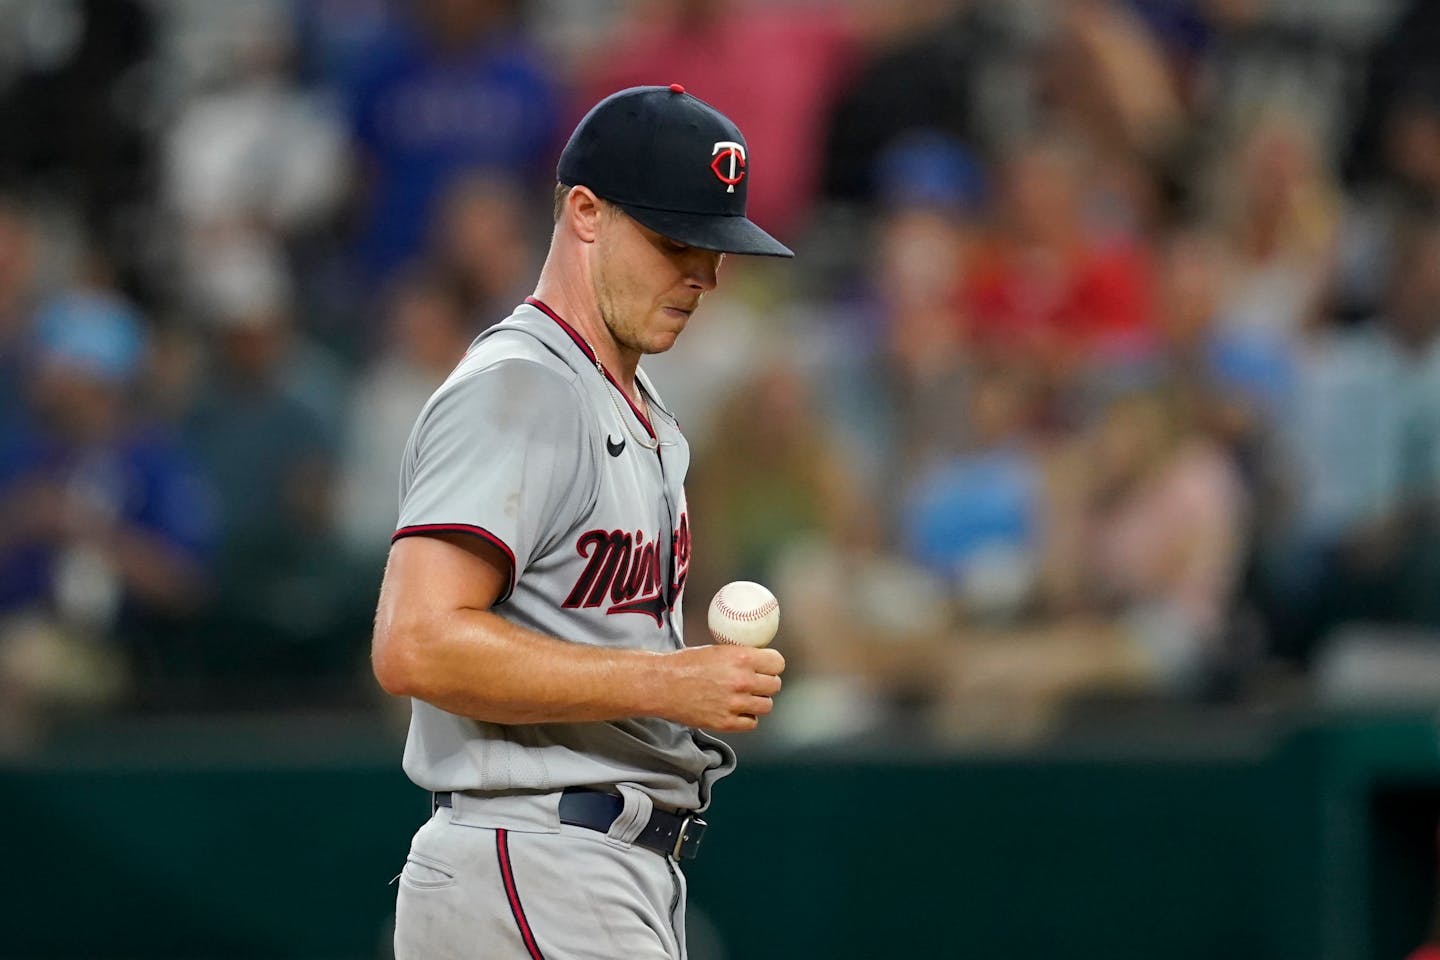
(278, 839)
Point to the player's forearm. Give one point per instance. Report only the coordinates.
(476, 664)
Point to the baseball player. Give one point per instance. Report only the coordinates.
(531, 604)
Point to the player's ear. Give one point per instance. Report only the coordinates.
(583, 211)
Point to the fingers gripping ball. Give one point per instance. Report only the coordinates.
(744, 613)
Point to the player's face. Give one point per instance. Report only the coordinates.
(647, 285)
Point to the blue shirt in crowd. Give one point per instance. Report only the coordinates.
(142, 480)
(422, 117)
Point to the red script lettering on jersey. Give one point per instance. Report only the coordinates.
(623, 569)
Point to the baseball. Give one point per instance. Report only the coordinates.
(745, 613)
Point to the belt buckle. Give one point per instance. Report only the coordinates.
(691, 828)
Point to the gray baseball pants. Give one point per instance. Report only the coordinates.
(470, 891)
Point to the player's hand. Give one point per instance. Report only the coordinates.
(722, 687)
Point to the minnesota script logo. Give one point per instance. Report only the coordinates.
(622, 572)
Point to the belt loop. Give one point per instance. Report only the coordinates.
(633, 816)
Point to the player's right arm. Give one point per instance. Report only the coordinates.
(437, 640)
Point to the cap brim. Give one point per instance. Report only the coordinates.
(709, 232)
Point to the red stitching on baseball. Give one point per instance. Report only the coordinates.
(759, 613)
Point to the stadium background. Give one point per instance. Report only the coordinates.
(1092, 444)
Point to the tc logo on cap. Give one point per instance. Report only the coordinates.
(729, 163)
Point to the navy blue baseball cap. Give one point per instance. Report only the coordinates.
(673, 163)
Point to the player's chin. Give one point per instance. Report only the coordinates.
(661, 342)
(664, 334)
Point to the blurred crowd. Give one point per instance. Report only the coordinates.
(1107, 371)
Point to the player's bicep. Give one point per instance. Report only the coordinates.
(447, 571)
(428, 579)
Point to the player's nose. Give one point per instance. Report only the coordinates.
(701, 269)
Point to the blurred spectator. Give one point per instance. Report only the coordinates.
(74, 111)
(1143, 539)
(460, 89)
(1046, 286)
(1183, 30)
(263, 424)
(921, 72)
(773, 499)
(1402, 177)
(430, 324)
(1298, 58)
(1279, 207)
(1149, 513)
(335, 36)
(1363, 545)
(106, 529)
(17, 278)
(907, 370)
(484, 237)
(746, 516)
(1106, 80)
(974, 520)
(868, 636)
(1400, 66)
(774, 69)
(253, 159)
(253, 151)
(241, 285)
(1241, 382)
(1410, 148)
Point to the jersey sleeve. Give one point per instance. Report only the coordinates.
(501, 454)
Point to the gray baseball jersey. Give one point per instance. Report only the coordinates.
(531, 446)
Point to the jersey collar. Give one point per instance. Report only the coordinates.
(595, 361)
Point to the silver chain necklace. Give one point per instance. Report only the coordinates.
(612, 390)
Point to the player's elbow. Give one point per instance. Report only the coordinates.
(395, 660)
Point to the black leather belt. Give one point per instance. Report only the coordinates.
(671, 834)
